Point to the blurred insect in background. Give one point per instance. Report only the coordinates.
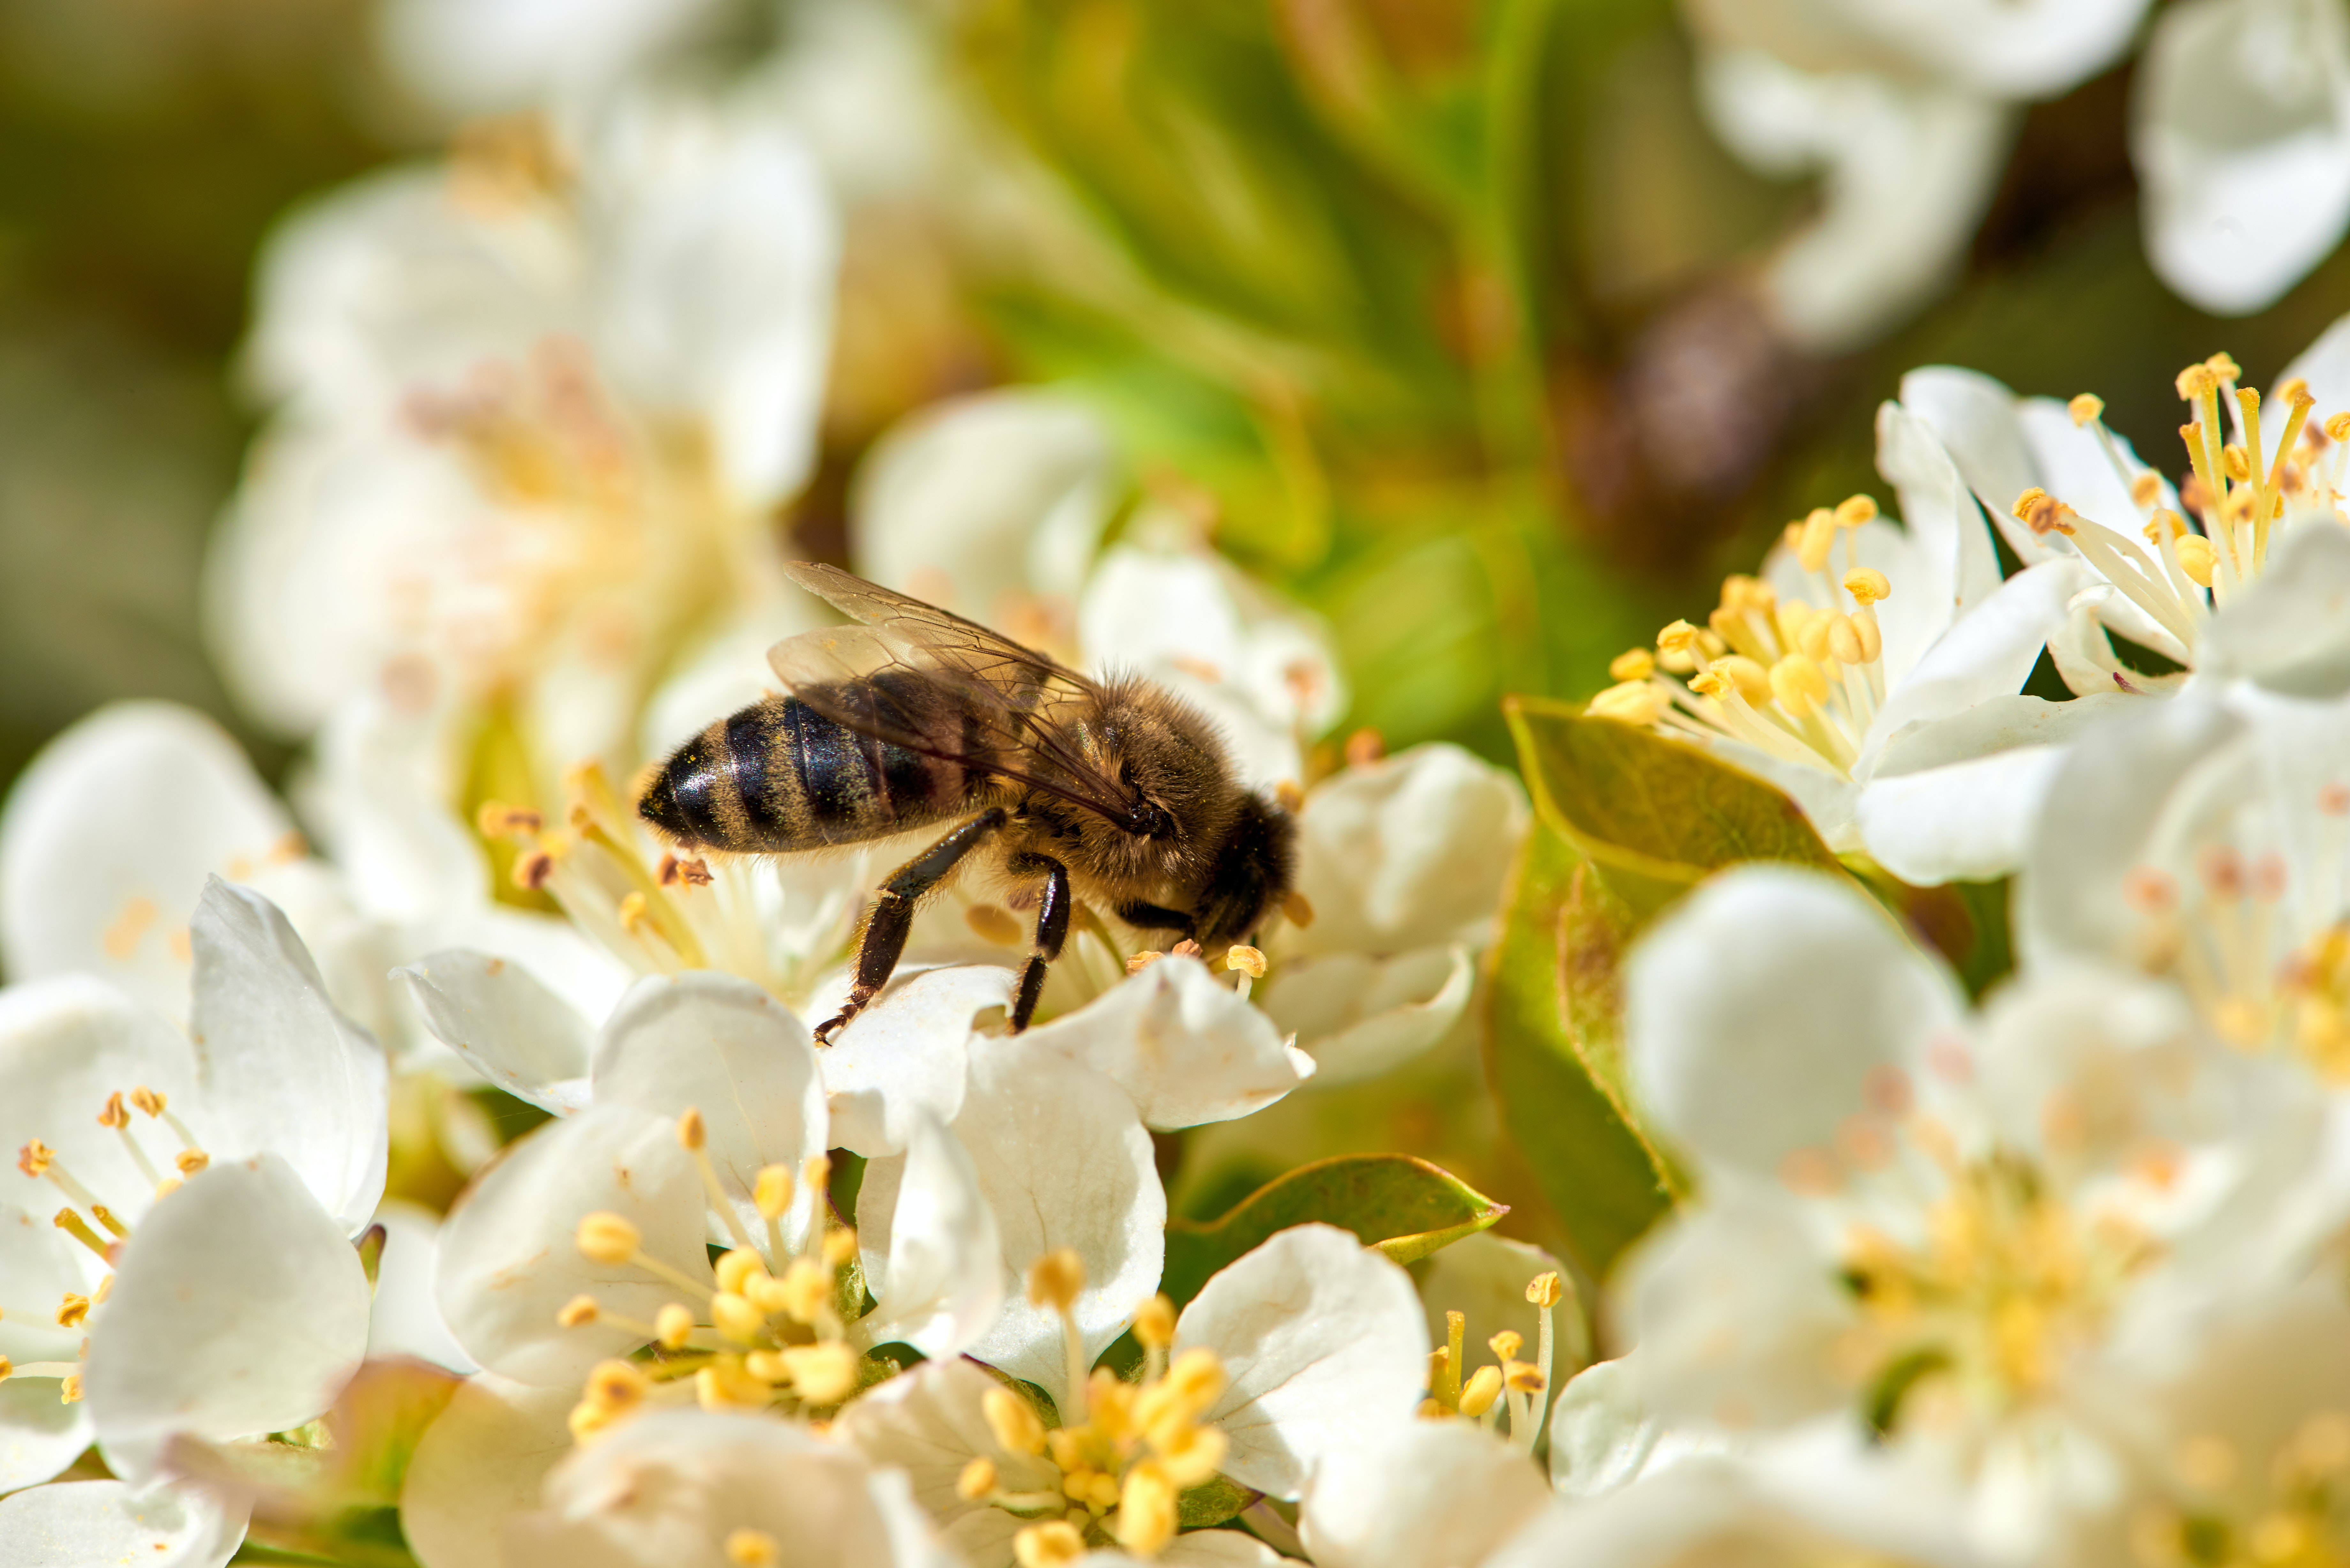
(1112, 791)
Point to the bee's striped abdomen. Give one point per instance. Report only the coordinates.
(779, 776)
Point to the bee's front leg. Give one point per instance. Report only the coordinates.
(1052, 930)
(893, 914)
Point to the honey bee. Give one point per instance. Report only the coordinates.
(1113, 791)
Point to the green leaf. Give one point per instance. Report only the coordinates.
(1406, 1207)
(1653, 816)
(1213, 1502)
(1966, 922)
(1553, 1052)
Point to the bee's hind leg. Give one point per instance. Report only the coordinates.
(1052, 930)
(893, 914)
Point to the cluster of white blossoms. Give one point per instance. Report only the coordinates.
(2241, 123)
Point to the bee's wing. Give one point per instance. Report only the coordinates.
(1015, 698)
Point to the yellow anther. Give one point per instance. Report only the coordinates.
(1249, 960)
(1290, 796)
(2196, 558)
(1843, 640)
(1854, 511)
(768, 1367)
(1054, 1279)
(1546, 1290)
(498, 820)
(36, 1158)
(823, 1374)
(1867, 585)
(105, 1289)
(2337, 426)
(1523, 1377)
(1145, 1510)
(605, 1238)
(147, 1101)
(2165, 523)
(74, 1225)
(1798, 683)
(72, 1309)
(1154, 1323)
(736, 1269)
(2294, 393)
(1298, 909)
(1193, 1455)
(693, 872)
(1813, 538)
(1013, 1421)
(112, 1113)
(736, 1318)
(1752, 682)
(2224, 367)
(692, 1133)
(1680, 637)
(748, 1548)
(168, 1186)
(773, 1191)
(839, 1247)
(2025, 503)
(6, 1368)
(2085, 408)
(1478, 1395)
(2235, 464)
(1635, 664)
(69, 1388)
(577, 1313)
(815, 1172)
(532, 870)
(727, 1384)
(2195, 380)
(994, 923)
(1136, 962)
(2146, 489)
(672, 1325)
(978, 1478)
(2042, 513)
(634, 912)
(191, 1160)
(1506, 1344)
(615, 1385)
(802, 1294)
(1630, 703)
(1054, 1545)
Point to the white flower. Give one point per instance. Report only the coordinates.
(1401, 864)
(2246, 573)
(482, 56)
(484, 1458)
(2204, 841)
(1309, 1347)
(200, 1275)
(534, 410)
(1422, 1492)
(2242, 137)
(1953, 1232)
(687, 1487)
(1907, 109)
(1874, 674)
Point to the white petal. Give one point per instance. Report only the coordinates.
(986, 504)
(506, 1024)
(1909, 167)
(1976, 419)
(1950, 557)
(40, 1434)
(2099, 824)
(907, 1055)
(1188, 1050)
(374, 796)
(1428, 1491)
(1755, 1011)
(669, 1488)
(2325, 365)
(406, 1320)
(239, 1307)
(1327, 1350)
(38, 1264)
(1989, 654)
(1063, 1161)
(66, 1044)
(1407, 853)
(1738, 1316)
(2290, 630)
(714, 299)
(109, 837)
(930, 1423)
(2010, 48)
(1603, 1436)
(723, 1046)
(1357, 1017)
(507, 1261)
(1968, 820)
(77, 1523)
(279, 1068)
(943, 1284)
(485, 1455)
(2242, 139)
(1828, 800)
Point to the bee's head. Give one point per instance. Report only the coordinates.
(1253, 869)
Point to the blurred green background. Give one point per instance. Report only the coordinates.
(1440, 310)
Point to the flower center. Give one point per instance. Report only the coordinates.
(1505, 1385)
(1799, 682)
(2294, 1513)
(751, 1339)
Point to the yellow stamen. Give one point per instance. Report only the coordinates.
(1145, 1510)
(749, 1548)
(823, 1374)
(577, 1313)
(1054, 1545)
(74, 1225)
(672, 1325)
(605, 1238)
(2085, 408)
(1483, 1390)
(1633, 664)
(1867, 585)
(1013, 1421)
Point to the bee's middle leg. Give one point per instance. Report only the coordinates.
(1052, 930)
(893, 913)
